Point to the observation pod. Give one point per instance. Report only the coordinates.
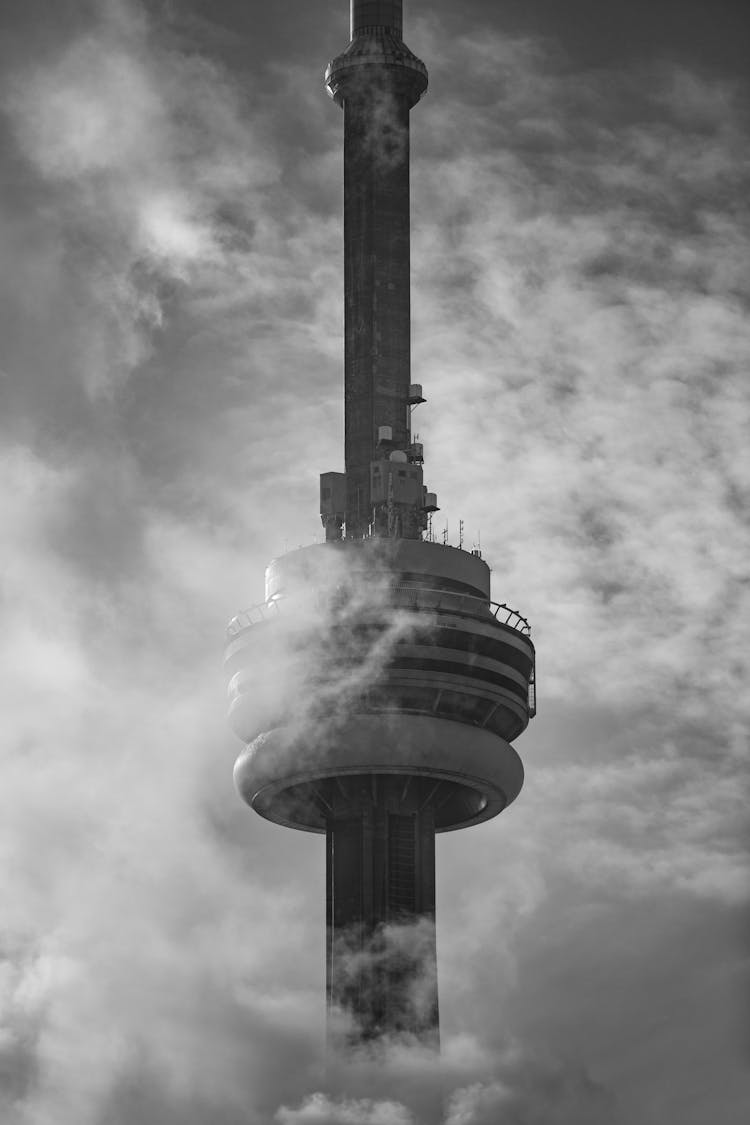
(389, 659)
(378, 690)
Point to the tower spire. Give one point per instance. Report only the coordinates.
(377, 81)
(369, 14)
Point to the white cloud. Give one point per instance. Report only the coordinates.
(580, 333)
(95, 110)
(320, 1110)
(139, 145)
(595, 385)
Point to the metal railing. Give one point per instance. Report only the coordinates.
(513, 618)
(452, 600)
(264, 611)
(414, 597)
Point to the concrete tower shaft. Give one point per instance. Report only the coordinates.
(377, 80)
(369, 14)
(378, 688)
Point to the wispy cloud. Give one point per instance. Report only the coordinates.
(171, 339)
(598, 382)
(136, 145)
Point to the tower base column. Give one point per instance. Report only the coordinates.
(380, 891)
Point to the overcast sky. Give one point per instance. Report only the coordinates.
(171, 386)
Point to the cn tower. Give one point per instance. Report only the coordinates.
(378, 688)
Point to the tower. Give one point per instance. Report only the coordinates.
(378, 688)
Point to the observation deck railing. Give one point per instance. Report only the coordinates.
(256, 614)
(409, 597)
(423, 597)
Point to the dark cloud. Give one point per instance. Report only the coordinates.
(706, 35)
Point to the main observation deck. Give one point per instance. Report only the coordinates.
(379, 659)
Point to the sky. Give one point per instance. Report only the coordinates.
(171, 387)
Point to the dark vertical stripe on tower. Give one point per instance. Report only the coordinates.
(402, 863)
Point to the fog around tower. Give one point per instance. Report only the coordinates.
(171, 384)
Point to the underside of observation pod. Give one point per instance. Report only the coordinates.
(379, 666)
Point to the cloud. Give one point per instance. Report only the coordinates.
(598, 377)
(171, 334)
(554, 1096)
(320, 1110)
(118, 885)
(651, 823)
(136, 146)
(466, 1086)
